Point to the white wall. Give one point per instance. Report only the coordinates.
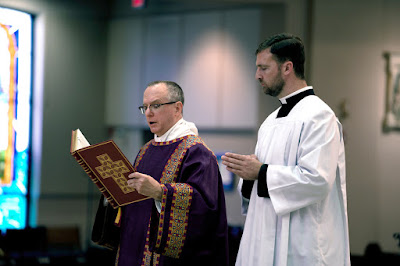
(349, 38)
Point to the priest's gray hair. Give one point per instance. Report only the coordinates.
(175, 92)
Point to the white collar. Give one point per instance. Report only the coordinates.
(180, 129)
(283, 99)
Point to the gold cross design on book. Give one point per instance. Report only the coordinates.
(115, 170)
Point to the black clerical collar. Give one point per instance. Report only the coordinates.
(292, 101)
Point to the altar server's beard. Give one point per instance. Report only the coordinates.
(275, 88)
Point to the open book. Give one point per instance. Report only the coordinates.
(107, 167)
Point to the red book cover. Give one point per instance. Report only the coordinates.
(108, 168)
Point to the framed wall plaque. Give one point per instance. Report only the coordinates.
(392, 106)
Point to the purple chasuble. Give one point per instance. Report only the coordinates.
(191, 228)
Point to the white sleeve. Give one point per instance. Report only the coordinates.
(158, 205)
(311, 178)
(245, 201)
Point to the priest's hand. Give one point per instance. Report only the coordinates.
(245, 166)
(145, 185)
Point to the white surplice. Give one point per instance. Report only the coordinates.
(304, 222)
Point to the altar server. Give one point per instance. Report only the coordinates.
(294, 187)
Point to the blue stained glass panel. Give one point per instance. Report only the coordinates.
(15, 116)
(13, 211)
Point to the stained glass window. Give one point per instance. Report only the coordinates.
(15, 116)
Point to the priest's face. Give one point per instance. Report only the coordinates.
(269, 73)
(160, 119)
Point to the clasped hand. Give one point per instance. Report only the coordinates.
(245, 166)
(145, 185)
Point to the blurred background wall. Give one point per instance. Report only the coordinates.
(93, 59)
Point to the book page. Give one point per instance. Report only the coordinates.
(78, 140)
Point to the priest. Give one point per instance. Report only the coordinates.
(184, 221)
(294, 187)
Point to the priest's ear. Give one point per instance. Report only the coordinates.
(179, 107)
(287, 67)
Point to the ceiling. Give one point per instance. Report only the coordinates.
(124, 7)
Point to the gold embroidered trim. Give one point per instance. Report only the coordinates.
(179, 216)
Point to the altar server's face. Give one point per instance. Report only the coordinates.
(269, 73)
(160, 120)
